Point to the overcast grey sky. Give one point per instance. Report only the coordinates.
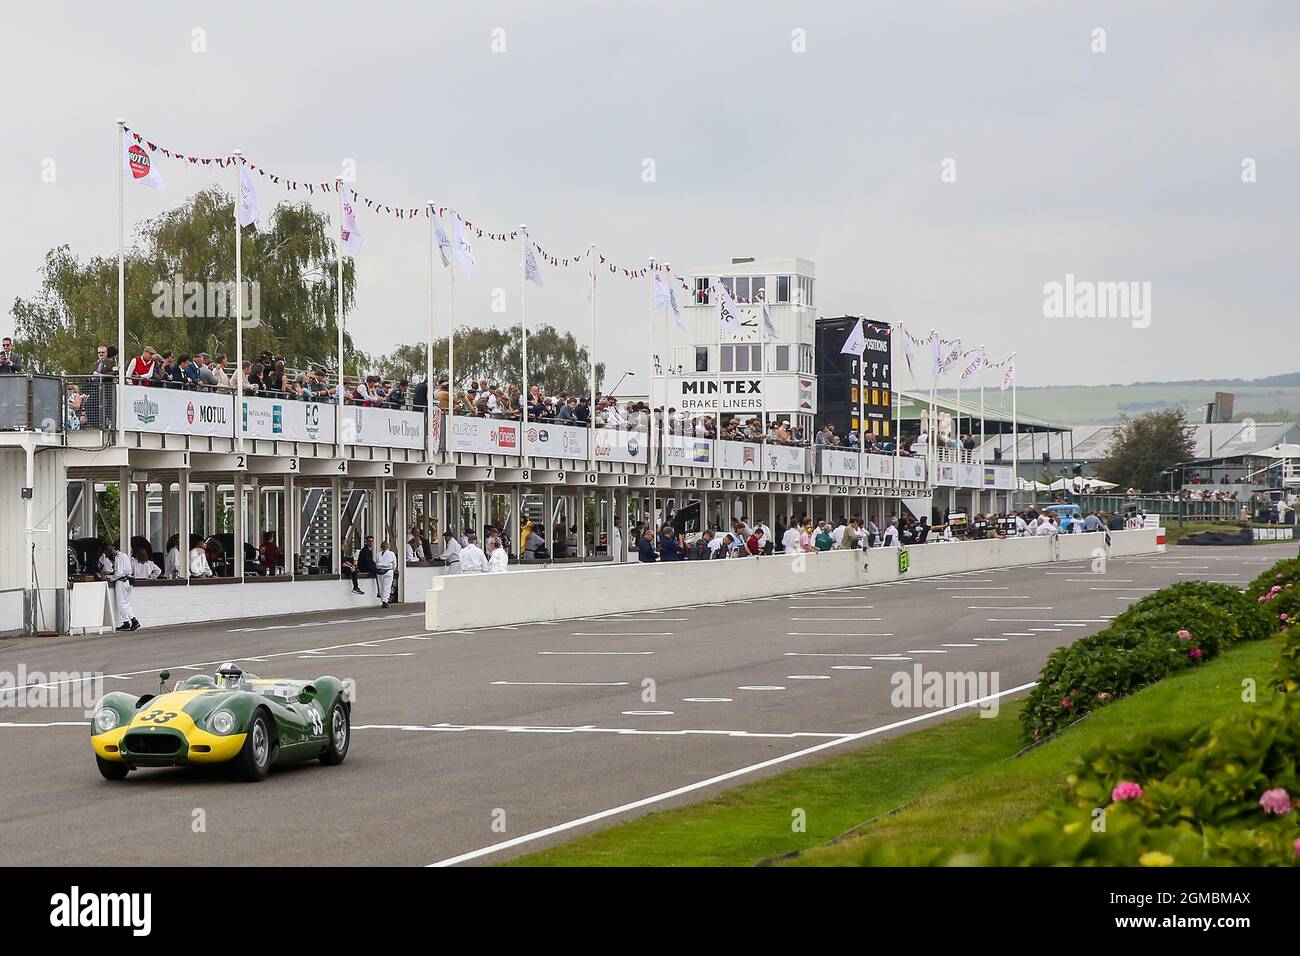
(1123, 165)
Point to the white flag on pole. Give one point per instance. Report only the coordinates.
(137, 165)
(677, 309)
(531, 272)
(1009, 375)
(936, 356)
(907, 352)
(974, 366)
(461, 249)
(246, 210)
(351, 235)
(856, 342)
(660, 291)
(768, 324)
(730, 314)
(591, 274)
(440, 238)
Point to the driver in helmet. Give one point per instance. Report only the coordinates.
(229, 676)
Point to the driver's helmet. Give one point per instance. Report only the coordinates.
(229, 676)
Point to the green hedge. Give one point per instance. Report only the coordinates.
(1276, 593)
(1141, 646)
(1253, 621)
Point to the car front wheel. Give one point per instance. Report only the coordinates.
(336, 748)
(254, 759)
(111, 769)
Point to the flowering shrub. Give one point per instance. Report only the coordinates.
(1224, 793)
(1254, 623)
(1276, 594)
(1141, 646)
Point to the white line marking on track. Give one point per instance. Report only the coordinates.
(594, 653)
(989, 639)
(318, 657)
(825, 654)
(707, 700)
(833, 634)
(714, 780)
(1023, 607)
(851, 667)
(837, 619)
(959, 645)
(760, 687)
(807, 677)
(1017, 634)
(621, 634)
(558, 683)
(586, 729)
(647, 713)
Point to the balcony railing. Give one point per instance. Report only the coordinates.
(31, 403)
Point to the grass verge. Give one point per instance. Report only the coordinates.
(956, 779)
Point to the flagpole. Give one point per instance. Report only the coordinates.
(523, 327)
(932, 426)
(983, 363)
(862, 405)
(591, 376)
(762, 382)
(451, 354)
(1015, 438)
(650, 379)
(429, 389)
(894, 397)
(717, 421)
(667, 333)
(338, 413)
(121, 296)
(239, 306)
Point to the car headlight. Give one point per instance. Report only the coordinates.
(106, 719)
(223, 722)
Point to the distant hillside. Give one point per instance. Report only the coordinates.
(1275, 398)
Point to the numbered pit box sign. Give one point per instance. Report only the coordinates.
(904, 560)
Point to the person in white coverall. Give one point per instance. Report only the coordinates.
(472, 558)
(386, 563)
(451, 552)
(120, 581)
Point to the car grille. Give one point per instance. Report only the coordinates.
(155, 744)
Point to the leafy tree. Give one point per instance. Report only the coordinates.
(557, 362)
(1144, 447)
(290, 258)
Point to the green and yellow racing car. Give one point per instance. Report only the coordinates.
(234, 718)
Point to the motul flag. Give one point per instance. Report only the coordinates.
(974, 366)
(246, 205)
(349, 232)
(137, 165)
(1009, 375)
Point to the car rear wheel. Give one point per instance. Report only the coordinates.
(336, 748)
(111, 769)
(254, 759)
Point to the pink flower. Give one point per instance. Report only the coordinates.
(1284, 617)
(1279, 575)
(1194, 653)
(1274, 589)
(1276, 801)
(1184, 635)
(1126, 790)
(1297, 847)
(1066, 702)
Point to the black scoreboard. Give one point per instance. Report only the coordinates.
(837, 377)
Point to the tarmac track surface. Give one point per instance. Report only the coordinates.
(546, 729)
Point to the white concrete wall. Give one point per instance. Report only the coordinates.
(11, 612)
(522, 596)
(184, 604)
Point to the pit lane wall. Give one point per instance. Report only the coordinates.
(525, 596)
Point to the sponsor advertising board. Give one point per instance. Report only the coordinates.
(268, 418)
(555, 441)
(178, 411)
(613, 444)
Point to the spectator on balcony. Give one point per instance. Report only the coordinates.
(75, 403)
(10, 363)
(189, 372)
(141, 369)
(396, 396)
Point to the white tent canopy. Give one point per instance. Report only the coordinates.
(1284, 450)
